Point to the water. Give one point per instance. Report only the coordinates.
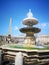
(39, 45)
(19, 59)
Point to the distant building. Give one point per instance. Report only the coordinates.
(3, 38)
(13, 39)
(44, 39)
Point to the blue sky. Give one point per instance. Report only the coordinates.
(18, 9)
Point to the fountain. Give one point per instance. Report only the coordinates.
(29, 29)
(27, 52)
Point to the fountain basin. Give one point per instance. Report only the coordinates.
(30, 21)
(31, 53)
(27, 29)
(22, 47)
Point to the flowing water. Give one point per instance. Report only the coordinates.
(19, 59)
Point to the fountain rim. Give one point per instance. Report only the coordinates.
(32, 21)
(27, 29)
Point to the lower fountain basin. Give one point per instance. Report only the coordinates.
(29, 53)
(34, 47)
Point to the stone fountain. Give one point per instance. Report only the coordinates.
(29, 30)
(22, 55)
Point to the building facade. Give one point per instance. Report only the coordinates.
(43, 39)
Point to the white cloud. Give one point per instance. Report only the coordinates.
(16, 28)
(43, 25)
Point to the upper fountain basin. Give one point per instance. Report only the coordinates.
(30, 21)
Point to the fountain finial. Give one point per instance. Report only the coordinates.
(29, 14)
